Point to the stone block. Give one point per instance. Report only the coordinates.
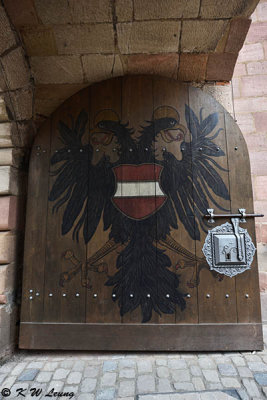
(39, 41)
(8, 319)
(245, 122)
(57, 69)
(3, 110)
(21, 12)
(86, 38)
(5, 134)
(98, 67)
(16, 69)
(260, 187)
(223, 9)
(262, 255)
(236, 87)
(251, 387)
(262, 11)
(165, 9)
(7, 37)
(237, 34)
(53, 12)
(261, 121)
(258, 162)
(11, 156)
(252, 104)
(7, 277)
(146, 384)
(20, 103)
(153, 64)
(240, 69)
(264, 233)
(227, 370)
(148, 37)
(257, 68)
(220, 67)
(257, 141)
(192, 67)
(251, 52)
(7, 247)
(257, 33)
(108, 379)
(201, 36)
(28, 375)
(83, 11)
(124, 10)
(8, 212)
(23, 133)
(254, 86)
(8, 180)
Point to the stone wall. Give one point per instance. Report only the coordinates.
(250, 105)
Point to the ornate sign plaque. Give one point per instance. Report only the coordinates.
(229, 249)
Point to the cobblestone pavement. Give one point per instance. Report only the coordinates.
(146, 376)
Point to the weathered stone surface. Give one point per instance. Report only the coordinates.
(108, 379)
(251, 387)
(8, 181)
(221, 66)
(230, 383)
(184, 386)
(251, 104)
(257, 68)
(28, 375)
(192, 67)
(201, 36)
(7, 37)
(100, 67)
(227, 370)
(181, 375)
(5, 134)
(53, 12)
(245, 122)
(145, 384)
(105, 394)
(7, 277)
(240, 69)
(124, 10)
(211, 375)
(260, 121)
(127, 388)
(17, 71)
(153, 64)
(8, 242)
(128, 373)
(149, 36)
(164, 385)
(109, 366)
(260, 187)
(86, 38)
(3, 111)
(39, 41)
(164, 9)
(257, 33)
(60, 69)
(21, 12)
(238, 30)
(88, 385)
(262, 11)
(74, 377)
(8, 212)
(223, 9)
(177, 364)
(251, 52)
(254, 86)
(198, 383)
(90, 11)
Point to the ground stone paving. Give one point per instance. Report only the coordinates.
(142, 376)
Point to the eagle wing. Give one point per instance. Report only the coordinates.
(81, 186)
(192, 182)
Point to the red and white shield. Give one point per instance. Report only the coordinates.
(138, 193)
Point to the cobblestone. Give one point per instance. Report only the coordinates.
(146, 384)
(127, 388)
(230, 383)
(227, 370)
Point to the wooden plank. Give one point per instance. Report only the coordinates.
(169, 101)
(99, 304)
(35, 231)
(67, 304)
(248, 309)
(142, 337)
(217, 307)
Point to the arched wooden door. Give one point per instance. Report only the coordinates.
(120, 178)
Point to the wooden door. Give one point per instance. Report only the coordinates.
(120, 178)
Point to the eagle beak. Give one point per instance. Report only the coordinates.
(176, 134)
(99, 136)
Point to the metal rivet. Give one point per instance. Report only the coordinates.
(56, 151)
(37, 294)
(114, 150)
(64, 295)
(81, 150)
(131, 295)
(208, 296)
(95, 295)
(37, 154)
(44, 151)
(97, 150)
(182, 148)
(38, 147)
(146, 149)
(163, 148)
(246, 296)
(200, 149)
(188, 295)
(227, 296)
(130, 149)
(218, 149)
(113, 295)
(30, 297)
(31, 291)
(167, 295)
(236, 147)
(50, 294)
(148, 295)
(77, 294)
(69, 150)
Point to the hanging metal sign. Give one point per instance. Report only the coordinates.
(229, 249)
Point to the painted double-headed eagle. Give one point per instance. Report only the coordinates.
(143, 188)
